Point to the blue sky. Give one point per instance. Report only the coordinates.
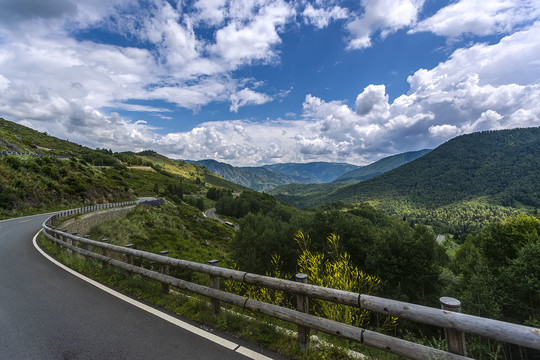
(255, 82)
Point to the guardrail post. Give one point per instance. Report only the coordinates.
(84, 245)
(62, 237)
(214, 284)
(129, 257)
(70, 241)
(302, 305)
(165, 271)
(455, 340)
(59, 237)
(105, 252)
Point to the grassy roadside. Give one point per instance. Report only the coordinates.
(257, 328)
(184, 231)
(187, 234)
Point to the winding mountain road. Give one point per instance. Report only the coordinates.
(47, 312)
(211, 214)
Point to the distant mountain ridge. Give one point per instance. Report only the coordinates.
(256, 178)
(268, 177)
(380, 167)
(489, 163)
(313, 175)
(315, 172)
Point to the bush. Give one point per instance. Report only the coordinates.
(13, 162)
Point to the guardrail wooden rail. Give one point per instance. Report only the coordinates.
(454, 322)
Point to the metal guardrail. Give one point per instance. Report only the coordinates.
(15, 153)
(454, 323)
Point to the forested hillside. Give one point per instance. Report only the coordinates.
(459, 187)
(49, 173)
(314, 172)
(267, 177)
(380, 167)
(256, 178)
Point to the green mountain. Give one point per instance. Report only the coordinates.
(460, 186)
(256, 178)
(314, 172)
(268, 177)
(315, 189)
(380, 167)
(48, 173)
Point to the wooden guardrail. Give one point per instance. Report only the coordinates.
(454, 322)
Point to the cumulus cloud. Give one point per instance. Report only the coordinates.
(383, 17)
(458, 96)
(461, 95)
(243, 42)
(372, 100)
(210, 12)
(49, 79)
(247, 97)
(480, 17)
(321, 17)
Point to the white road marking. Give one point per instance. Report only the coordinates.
(251, 354)
(193, 329)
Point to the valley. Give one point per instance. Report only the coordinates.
(479, 190)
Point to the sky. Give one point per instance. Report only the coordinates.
(254, 82)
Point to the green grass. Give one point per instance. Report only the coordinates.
(30, 185)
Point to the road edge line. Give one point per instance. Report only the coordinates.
(171, 319)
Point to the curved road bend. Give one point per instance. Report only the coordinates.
(211, 214)
(48, 313)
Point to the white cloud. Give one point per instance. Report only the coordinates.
(321, 17)
(480, 17)
(373, 100)
(211, 12)
(444, 131)
(242, 42)
(43, 67)
(194, 96)
(461, 95)
(384, 17)
(48, 79)
(247, 97)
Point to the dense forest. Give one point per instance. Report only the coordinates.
(495, 273)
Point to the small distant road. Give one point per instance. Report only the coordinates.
(211, 214)
(440, 238)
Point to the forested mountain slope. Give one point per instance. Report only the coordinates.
(49, 173)
(473, 178)
(256, 178)
(380, 167)
(314, 172)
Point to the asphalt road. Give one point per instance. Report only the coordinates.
(48, 313)
(211, 214)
